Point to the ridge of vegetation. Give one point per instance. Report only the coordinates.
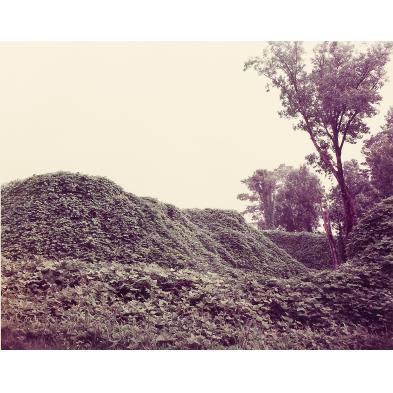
(69, 302)
(65, 215)
(373, 236)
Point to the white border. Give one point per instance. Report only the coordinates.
(181, 20)
(193, 371)
(197, 20)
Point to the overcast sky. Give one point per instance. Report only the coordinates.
(180, 122)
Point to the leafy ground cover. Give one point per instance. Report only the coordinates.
(52, 298)
(373, 237)
(79, 305)
(311, 249)
(66, 215)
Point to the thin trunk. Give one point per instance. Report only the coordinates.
(347, 199)
(348, 202)
(341, 244)
(330, 238)
(269, 211)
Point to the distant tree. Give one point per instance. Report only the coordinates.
(378, 151)
(330, 102)
(298, 201)
(285, 198)
(263, 186)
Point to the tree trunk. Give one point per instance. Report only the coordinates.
(330, 238)
(347, 199)
(341, 244)
(348, 202)
(269, 211)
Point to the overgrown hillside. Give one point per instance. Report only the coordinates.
(66, 215)
(311, 249)
(374, 234)
(239, 243)
(63, 302)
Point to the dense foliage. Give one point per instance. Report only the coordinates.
(364, 197)
(84, 303)
(298, 201)
(374, 234)
(361, 189)
(378, 151)
(311, 249)
(73, 304)
(329, 101)
(66, 215)
(262, 186)
(285, 198)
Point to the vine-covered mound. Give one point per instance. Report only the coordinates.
(65, 215)
(237, 242)
(311, 249)
(373, 236)
(163, 298)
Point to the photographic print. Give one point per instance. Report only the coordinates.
(197, 195)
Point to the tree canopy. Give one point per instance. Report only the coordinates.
(298, 201)
(284, 198)
(378, 151)
(331, 101)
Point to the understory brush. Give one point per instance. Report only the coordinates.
(75, 305)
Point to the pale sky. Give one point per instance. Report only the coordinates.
(180, 122)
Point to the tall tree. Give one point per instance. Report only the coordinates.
(378, 151)
(331, 101)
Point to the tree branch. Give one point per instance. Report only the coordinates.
(322, 153)
(345, 132)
